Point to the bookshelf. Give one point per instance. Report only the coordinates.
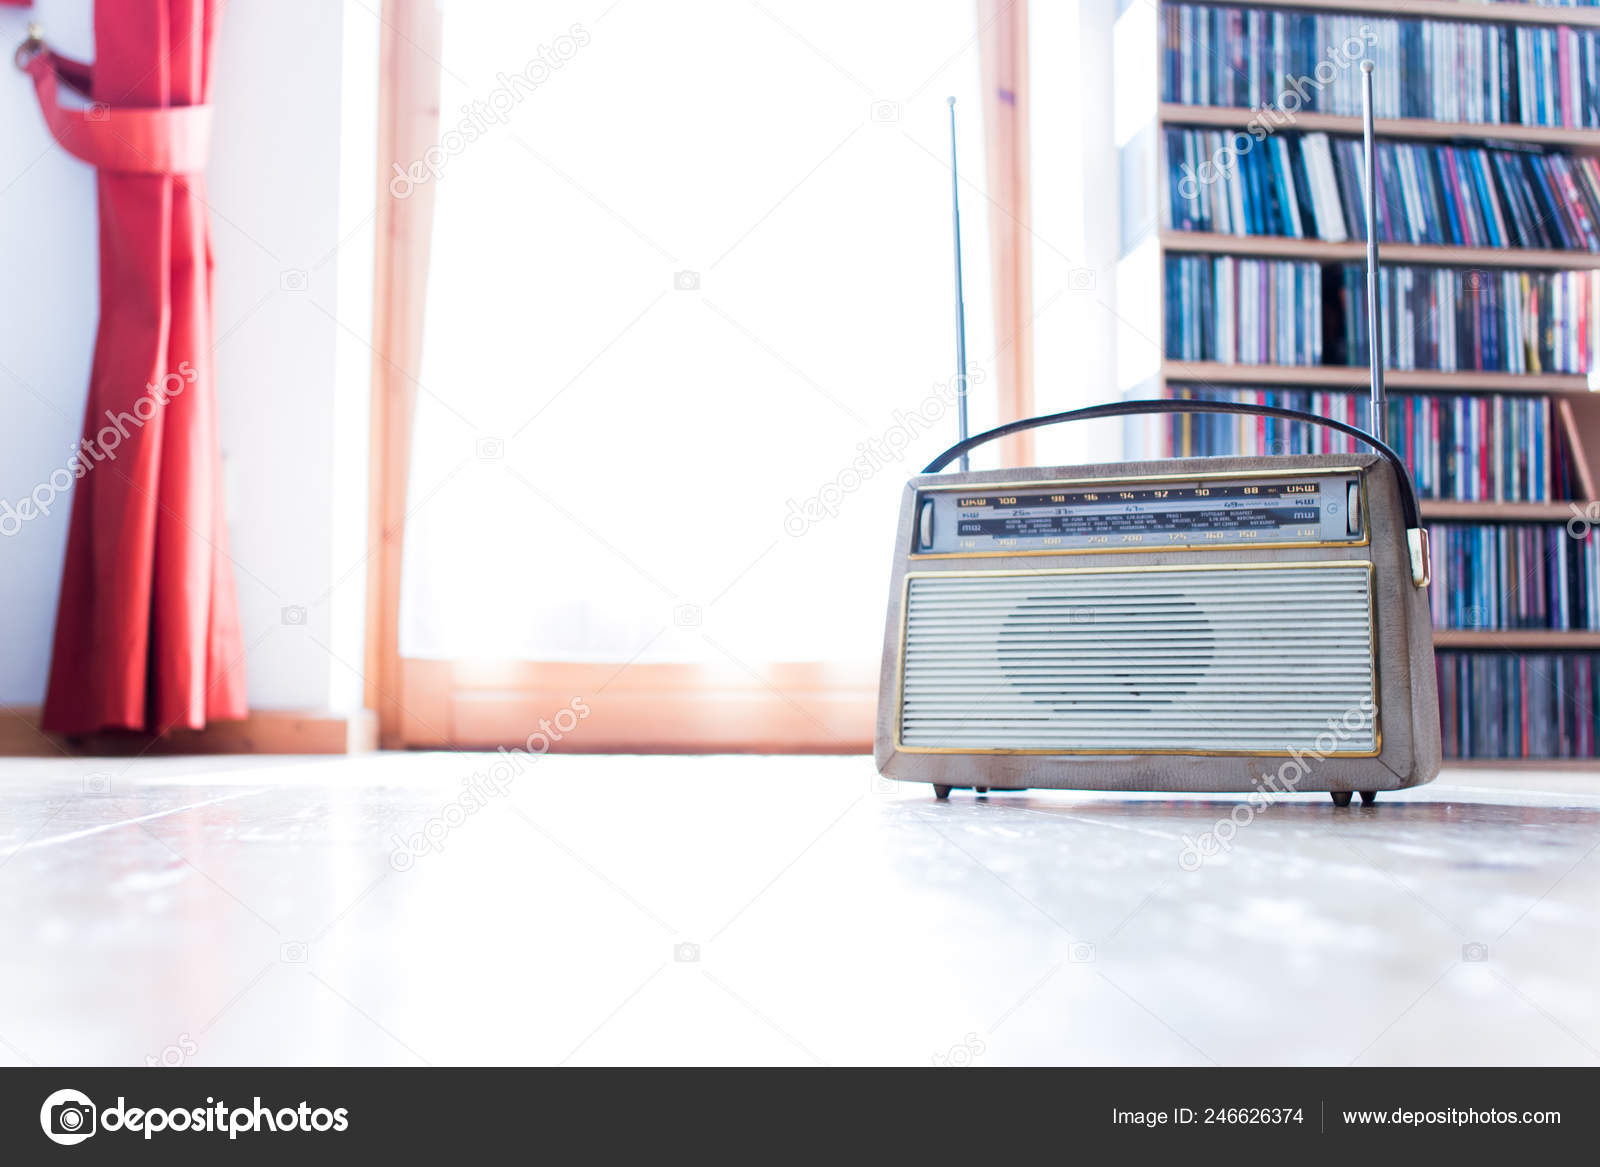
(1496, 13)
(1541, 638)
(1354, 376)
(1277, 247)
(1449, 510)
(1224, 118)
(1143, 115)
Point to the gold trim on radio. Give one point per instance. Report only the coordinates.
(1372, 656)
(1129, 549)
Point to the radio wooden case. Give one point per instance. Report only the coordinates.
(1216, 624)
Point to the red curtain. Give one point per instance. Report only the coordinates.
(147, 631)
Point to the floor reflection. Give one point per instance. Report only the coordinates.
(781, 910)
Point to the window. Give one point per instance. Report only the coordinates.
(688, 329)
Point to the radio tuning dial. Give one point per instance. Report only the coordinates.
(1352, 507)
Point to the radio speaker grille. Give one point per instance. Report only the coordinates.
(1234, 660)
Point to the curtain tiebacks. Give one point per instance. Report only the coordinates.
(163, 140)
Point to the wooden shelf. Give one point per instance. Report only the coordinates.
(1320, 250)
(1491, 512)
(1355, 377)
(1498, 13)
(1234, 118)
(1545, 638)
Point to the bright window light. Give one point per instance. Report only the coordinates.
(689, 324)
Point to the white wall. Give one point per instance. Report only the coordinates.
(291, 194)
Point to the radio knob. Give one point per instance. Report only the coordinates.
(1352, 508)
(925, 525)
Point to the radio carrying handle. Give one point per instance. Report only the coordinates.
(1416, 536)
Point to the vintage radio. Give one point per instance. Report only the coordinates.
(1205, 624)
(1216, 624)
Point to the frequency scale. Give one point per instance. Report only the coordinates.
(1064, 518)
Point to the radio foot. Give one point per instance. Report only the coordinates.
(1368, 797)
(1340, 797)
(942, 793)
(980, 790)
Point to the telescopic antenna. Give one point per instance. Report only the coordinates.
(1379, 407)
(961, 309)
(1416, 536)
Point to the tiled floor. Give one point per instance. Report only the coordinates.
(776, 910)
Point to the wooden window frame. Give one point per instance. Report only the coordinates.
(803, 707)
